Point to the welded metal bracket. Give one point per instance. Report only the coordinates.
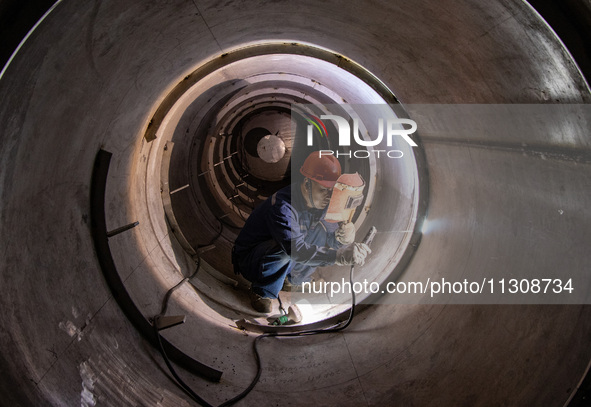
(122, 229)
(170, 321)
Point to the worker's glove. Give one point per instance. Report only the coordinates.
(345, 234)
(355, 253)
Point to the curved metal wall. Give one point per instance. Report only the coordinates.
(90, 77)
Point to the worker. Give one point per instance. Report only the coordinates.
(286, 238)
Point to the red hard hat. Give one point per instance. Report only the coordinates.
(325, 170)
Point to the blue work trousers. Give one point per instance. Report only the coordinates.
(266, 266)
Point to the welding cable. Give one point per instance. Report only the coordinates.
(217, 236)
(180, 382)
(338, 327)
(185, 387)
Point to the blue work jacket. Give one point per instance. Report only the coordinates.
(301, 232)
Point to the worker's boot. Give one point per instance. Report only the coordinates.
(260, 304)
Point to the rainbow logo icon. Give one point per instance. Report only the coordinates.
(316, 122)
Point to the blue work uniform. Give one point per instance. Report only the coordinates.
(283, 238)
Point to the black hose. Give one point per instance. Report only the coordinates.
(179, 381)
(253, 383)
